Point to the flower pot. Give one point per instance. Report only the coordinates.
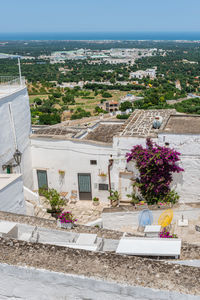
(114, 203)
(65, 225)
(54, 213)
(95, 203)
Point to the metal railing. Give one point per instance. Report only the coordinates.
(11, 81)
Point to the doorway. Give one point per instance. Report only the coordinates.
(84, 186)
(42, 179)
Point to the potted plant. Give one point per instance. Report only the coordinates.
(66, 220)
(54, 200)
(61, 172)
(103, 175)
(134, 199)
(114, 198)
(95, 201)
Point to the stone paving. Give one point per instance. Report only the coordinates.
(83, 210)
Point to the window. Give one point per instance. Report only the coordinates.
(103, 187)
(93, 162)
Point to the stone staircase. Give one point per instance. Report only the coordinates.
(39, 210)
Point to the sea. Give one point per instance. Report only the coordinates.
(105, 36)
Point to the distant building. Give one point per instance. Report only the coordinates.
(130, 98)
(111, 106)
(178, 85)
(142, 74)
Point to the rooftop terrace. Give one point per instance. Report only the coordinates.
(10, 84)
(140, 123)
(183, 124)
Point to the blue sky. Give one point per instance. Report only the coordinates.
(99, 15)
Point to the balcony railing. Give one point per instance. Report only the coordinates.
(11, 81)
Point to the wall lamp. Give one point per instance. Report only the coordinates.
(17, 158)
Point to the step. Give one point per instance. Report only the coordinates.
(86, 239)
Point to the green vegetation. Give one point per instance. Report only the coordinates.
(102, 82)
(80, 113)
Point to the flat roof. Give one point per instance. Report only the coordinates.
(140, 123)
(104, 132)
(183, 124)
(96, 129)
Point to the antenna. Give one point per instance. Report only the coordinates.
(20, 74)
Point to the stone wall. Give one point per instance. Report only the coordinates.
(131, 270)
(38, 284)
(105, 233)
(188, 251)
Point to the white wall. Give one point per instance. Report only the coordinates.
(123, 220)
(187, 183)
(72, 157)
(12, 196)
(16, 105)
(36, 284)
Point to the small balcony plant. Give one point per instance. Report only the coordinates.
(55, 201)
(95, 201)
(61, 172)
(102, 174)
(66, 220)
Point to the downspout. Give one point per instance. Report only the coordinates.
(109, 166)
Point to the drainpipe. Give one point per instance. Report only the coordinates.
(109, 166)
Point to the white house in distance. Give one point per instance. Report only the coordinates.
(130, 98)
(151, 73)
(77, 156)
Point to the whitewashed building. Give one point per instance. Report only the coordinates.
(15, 154)
(85, 158)
(151, 73)
(74, 158)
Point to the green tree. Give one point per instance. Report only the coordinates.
(125, 105)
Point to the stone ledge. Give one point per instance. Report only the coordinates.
(110, 266)
(35, 221)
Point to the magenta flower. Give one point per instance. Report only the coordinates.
(156, 165)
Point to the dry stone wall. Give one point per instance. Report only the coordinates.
(134, 271)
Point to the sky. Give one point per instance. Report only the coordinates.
(99, 15)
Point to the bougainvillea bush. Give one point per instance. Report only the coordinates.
(156, 164)
(67, 217)
(166, 234)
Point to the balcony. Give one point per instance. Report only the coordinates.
(10, 84)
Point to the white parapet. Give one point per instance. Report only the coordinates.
(11, 193)
(150, 246)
